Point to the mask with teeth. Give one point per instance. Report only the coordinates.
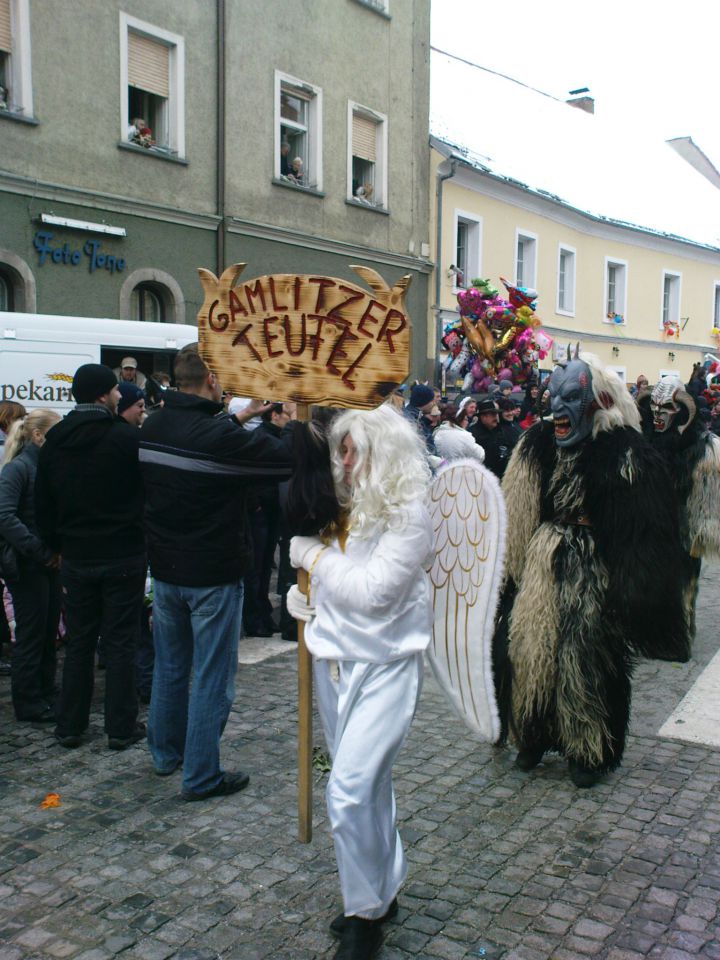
(572, 402)
(669, 399)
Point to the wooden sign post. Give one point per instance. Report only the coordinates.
(310, 339)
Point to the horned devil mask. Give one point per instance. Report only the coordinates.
(667, 400)
(572, 402)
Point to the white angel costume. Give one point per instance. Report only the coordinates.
(454, 443)
(373, 621)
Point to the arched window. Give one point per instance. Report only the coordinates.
(7, 299)
(147, 303)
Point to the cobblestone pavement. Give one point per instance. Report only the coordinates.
(502, 864)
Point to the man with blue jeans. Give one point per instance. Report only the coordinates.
(198, 464)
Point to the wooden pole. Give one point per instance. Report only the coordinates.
(305, 727)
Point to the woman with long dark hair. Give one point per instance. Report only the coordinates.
(33, 579)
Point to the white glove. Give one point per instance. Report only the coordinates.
(303, 551)
(297, 605)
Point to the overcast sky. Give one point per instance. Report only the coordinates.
(652, 63)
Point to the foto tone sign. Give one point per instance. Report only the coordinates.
(311, 339)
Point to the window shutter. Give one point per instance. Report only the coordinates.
(148, 64)
(5, 31)
(364, 138)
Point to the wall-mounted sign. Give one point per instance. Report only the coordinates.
(63, 253)
(306, 338)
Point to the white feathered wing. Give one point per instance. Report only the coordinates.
(469, 521)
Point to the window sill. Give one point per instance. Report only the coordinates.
(150, 152)
(367, 206)
(611, 323)
(297, 188)
(571, 313)
(19, 118)
(369, 5)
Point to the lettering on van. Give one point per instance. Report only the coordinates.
(62, 253)
(58, 391)
(308, 338)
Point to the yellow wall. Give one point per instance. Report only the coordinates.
(501, 218)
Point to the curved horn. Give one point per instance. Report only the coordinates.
(683, 397)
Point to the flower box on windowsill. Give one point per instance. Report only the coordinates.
(297, 187)
(615, 319)
(160, 153)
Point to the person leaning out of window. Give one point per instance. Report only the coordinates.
(30, 570)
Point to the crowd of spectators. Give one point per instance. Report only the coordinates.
(145, 528)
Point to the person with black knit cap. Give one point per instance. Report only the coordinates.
(131, 406)
(421, 402)
(89, 505)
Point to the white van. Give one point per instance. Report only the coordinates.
(39, 353)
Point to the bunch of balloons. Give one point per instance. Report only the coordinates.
(495, 338)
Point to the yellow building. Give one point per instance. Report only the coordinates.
(620, 237)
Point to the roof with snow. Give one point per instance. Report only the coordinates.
(595, 166)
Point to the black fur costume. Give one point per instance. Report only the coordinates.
(588, 589)
(692, 458)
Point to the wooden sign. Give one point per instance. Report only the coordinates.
(306, 338)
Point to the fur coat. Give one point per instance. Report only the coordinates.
(588, 588)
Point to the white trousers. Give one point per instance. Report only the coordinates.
(366, 711)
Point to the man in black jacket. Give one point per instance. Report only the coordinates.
(89, 503)
(497, 439)
(198, 464)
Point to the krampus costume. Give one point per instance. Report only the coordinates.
(692, 454)
(591, 522)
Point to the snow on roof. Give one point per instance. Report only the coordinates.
(590, 163)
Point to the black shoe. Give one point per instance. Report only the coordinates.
(290, 637)
(122, 743)
(583, 777)
(45, 716)
(361, 939)
(528, 759)
(5, 668)
(230, 783)
(70, 740)
(338, 924)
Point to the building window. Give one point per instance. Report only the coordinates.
(615, 291)
(468, 237)
(566, 281)
(367, 169)
(7, 300)
(15, 72)
(670, 317)
(153, 80)
(298, 125)
(147, 303)
(525, 259)
(716, 306)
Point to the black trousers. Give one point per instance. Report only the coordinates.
(37, 599)
(257, 608)
(101, 600)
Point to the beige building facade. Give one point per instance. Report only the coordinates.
(618, 232)
(588, 273)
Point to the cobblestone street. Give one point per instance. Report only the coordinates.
(502, 864)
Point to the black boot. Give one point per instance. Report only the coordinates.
(581, 776)
(338, 924)
(361, 939)
(528, 758)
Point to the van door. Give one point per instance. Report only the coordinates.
(40, 374)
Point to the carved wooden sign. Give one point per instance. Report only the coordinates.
(306, 338)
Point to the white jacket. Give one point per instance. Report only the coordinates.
(455, 443)
(373, 601)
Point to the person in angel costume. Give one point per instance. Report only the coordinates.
(368, 620)
(586, 497)
(692, 454)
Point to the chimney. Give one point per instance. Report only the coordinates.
(586, 103)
